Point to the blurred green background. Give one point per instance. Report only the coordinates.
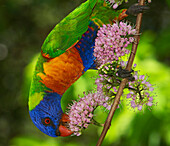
(24, 24)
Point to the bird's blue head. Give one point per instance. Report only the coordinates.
(49, 117)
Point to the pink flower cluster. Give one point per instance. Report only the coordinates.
(81, 112)
(112, 41)
(140, 90)
(107, 83)
(142, 95)
(115, 3)
(106, 90)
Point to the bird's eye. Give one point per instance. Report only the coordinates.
(46, 121)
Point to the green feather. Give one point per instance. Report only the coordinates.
(37, 88)
(35, 99)
(69, 30)
(104, 14)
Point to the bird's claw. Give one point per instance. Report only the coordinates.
(123, 73)
(136, 9)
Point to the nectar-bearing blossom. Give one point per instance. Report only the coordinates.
(115, 3)
(81, 112)
(141, 92)
(108, 82)
(112, 41)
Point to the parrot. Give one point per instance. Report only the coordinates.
(66, 54)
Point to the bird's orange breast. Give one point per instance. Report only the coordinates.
(61, 72)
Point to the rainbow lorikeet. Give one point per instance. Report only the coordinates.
(66, 54)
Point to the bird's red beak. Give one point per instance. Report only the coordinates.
(122, 15)
(63, 127)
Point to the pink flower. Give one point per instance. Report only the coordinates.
(111, 42)
(81, 112)
(141, 77)
(149, 103)
(107, 83)
(129, 95)
(140, 107)
(140, 92)
(115, 3)
(133, 104)
(115, 6)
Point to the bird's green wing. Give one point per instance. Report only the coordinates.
(69, 30)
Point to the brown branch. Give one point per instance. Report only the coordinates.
(124, 81)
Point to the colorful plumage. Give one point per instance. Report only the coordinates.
(66, 54)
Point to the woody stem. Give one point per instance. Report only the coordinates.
(125, 80)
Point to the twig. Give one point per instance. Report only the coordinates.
(124, 81)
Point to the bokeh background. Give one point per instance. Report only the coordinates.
(24, 24)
